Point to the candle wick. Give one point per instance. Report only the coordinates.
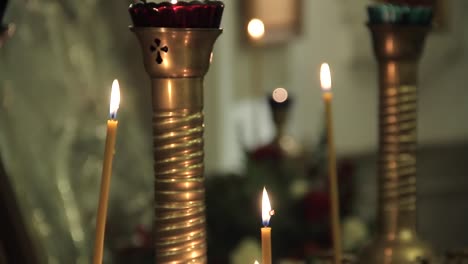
(113, 115)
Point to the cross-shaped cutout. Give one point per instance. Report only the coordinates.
(158, 48)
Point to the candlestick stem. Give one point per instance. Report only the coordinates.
(333, 181)
(104, 192)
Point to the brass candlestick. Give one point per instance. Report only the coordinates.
(280, 105)
(398, 50)
(177, 59)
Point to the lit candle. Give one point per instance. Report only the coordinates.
(325, 80)
(256, 262)
(266, 231)
(256, 31)
(106, 173)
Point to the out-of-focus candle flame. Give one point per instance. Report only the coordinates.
(256, 262)
(115, 99)
(173, 2)
(256, 28)
(325, 77)
(266, 208)
(280, 95)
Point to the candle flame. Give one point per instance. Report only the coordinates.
(325, 77)
(115, 99)
(173, 2)
(256, 262)
(280, 95)
(266, 208)
(256, 28)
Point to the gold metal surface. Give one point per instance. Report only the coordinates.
(398, 50)
(188, 51)
(177, 99)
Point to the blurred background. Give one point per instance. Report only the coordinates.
(55, 77)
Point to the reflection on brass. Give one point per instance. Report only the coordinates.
(177, 60)
(398, 50)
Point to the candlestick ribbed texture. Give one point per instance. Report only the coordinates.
(397, 157)
(177, 59)
(398, 50)
(179, 187)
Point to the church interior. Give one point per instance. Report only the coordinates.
(340, 170)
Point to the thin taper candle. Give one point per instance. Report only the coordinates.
(325, 79)
(266, 244)
(265, 230)
(106, 174)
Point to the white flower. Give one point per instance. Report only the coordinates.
(246, 252)
(355, 233)
(298, 188)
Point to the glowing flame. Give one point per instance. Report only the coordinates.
(266, 208)
(280, 95)
(115, 99)
(173, 2)
(325, 77)
(256, 262)
(256, 28)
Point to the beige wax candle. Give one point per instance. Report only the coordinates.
(266, 245)
(106, 175)
(266, 231)
(325, 79)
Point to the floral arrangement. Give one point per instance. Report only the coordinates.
(299, 194)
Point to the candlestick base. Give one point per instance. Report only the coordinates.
(407, 248)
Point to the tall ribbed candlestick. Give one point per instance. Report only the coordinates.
(176, 60)
(398, 50)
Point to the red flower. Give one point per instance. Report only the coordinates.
(317, 206)
(267, 152)
(143, 237)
